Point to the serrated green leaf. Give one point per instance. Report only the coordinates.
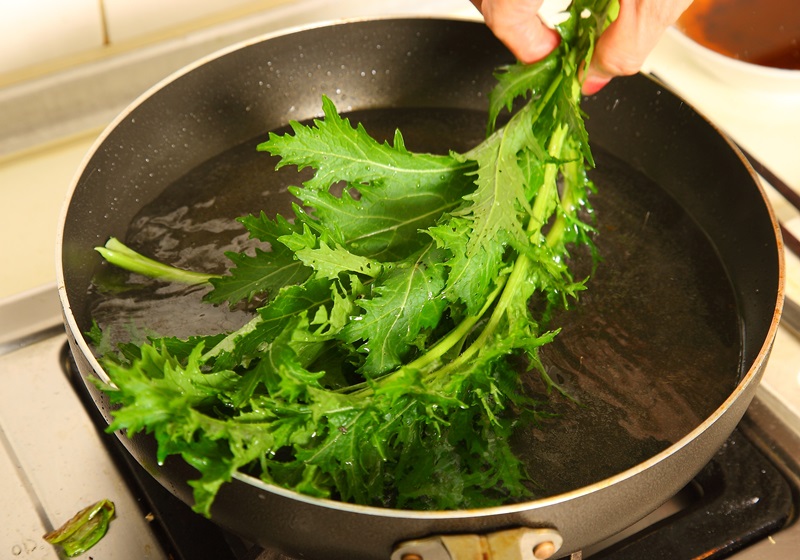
(329, 261)
(243, 346)
(340, 152)
(520, 81)
(264, 273)
(391, 194)
(493, 217)
(404, 303)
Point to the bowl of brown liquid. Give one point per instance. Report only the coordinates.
(745, 43)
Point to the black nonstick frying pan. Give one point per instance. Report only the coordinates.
(660, 429)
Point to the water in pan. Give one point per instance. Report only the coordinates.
(648, 351)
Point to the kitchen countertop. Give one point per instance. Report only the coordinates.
(33, 187)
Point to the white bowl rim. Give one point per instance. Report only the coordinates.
(771, 72)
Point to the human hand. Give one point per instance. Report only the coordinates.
(621, 49)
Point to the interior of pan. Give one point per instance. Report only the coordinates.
(427, 65)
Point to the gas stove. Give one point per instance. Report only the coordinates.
(55, 459)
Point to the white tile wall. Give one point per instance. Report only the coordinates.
(42, 32)
(41, 36)
(35, 31)
(131, 19)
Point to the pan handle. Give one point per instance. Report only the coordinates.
(522, 543)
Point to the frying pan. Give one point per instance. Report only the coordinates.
(242, 92)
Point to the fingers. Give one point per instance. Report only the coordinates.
(517, 24)
(623, 47)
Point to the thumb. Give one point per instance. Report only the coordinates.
(517, 24)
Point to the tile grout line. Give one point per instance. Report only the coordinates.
(101, 4)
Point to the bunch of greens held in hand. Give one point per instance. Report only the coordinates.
(384, 366)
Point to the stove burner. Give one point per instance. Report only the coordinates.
(739, 498)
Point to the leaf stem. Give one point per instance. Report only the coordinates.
(462, 329)
(119, 254)
(523, 262)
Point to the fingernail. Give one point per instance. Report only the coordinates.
(593, 84)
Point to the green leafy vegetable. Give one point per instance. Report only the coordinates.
(84, 530)
(119, 254)
(384, 366)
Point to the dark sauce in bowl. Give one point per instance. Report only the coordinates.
(762, 32)
(647, 352)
